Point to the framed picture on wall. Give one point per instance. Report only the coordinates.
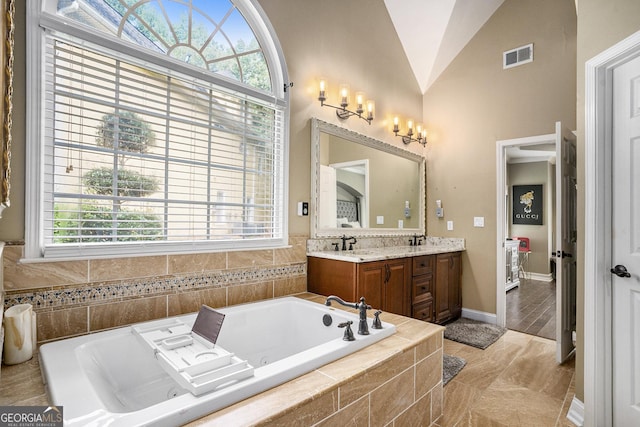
(527, 204)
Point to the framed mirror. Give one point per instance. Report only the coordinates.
(7, 28)
(362, 186)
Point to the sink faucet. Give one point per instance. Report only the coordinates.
(361, 306)
(417, 240)
(346, 239)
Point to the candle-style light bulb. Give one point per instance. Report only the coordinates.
(410, 126)
(370, 109)
(344, 95)
(322, 94)
(359, 102)
(396, 129)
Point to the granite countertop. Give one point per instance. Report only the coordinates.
(391, 252)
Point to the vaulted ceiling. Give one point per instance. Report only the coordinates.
(433, 32)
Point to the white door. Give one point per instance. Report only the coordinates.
(566, 233)
(625, 245)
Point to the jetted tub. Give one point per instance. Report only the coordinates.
(112, 378)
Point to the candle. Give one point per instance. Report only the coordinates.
(322, 95)
(359, 102)
(344, 95)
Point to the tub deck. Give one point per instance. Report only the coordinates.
(403, 371)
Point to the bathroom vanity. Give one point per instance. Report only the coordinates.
(417, 281)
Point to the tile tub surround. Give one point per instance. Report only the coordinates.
(78, 297)
(397, 380)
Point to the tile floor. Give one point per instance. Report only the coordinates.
(531, 308)
(514, 382)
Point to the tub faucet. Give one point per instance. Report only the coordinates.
(362, 307)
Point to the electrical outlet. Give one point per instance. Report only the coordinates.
(380, 219)
(450, 225)
(478, 221)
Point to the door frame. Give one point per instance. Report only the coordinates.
(597, 312)
(501, 216)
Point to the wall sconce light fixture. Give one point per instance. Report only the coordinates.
(341, 111)
(419, 136)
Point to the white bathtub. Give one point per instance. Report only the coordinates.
(111, 378)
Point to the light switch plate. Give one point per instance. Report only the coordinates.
(380, 219)
(450, 225)
(478, 221)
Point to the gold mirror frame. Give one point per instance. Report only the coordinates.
(7, 28)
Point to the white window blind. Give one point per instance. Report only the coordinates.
(137, 156)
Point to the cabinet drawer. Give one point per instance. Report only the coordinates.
(422, 287)
(423, 264)
(423, 311)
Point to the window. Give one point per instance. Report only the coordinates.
(162, 128)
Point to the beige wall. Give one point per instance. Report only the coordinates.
(601, 24)
(345, 42)
(475, 103)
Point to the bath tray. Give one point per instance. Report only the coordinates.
(194, 362)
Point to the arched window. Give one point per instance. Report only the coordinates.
(163, 128)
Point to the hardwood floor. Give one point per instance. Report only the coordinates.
(531, 308)
(514, 382)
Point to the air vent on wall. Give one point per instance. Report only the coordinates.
(518, 56)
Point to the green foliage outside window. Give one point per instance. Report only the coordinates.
(130, 183)
(94, 224)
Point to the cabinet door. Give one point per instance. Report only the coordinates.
(448, 296)
(396, 289)
(331, 277)
(371, 280)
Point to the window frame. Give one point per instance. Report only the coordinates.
(37, 18)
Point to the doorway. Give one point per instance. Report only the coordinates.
(549, 232)
(529, 168)
(531, 306)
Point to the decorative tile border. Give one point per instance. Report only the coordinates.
(102, 292)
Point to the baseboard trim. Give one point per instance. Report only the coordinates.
(482, 316)
(542, 277)
(576, 412)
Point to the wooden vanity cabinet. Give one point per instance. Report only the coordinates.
(448, 293)
(426, 287)
(383, 284)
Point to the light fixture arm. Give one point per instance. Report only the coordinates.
(408, 138)
(343, 113)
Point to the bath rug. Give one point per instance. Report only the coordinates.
(451, 366)
(474, 333)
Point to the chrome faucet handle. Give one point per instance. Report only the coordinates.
(348, 333)
(377, 324)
